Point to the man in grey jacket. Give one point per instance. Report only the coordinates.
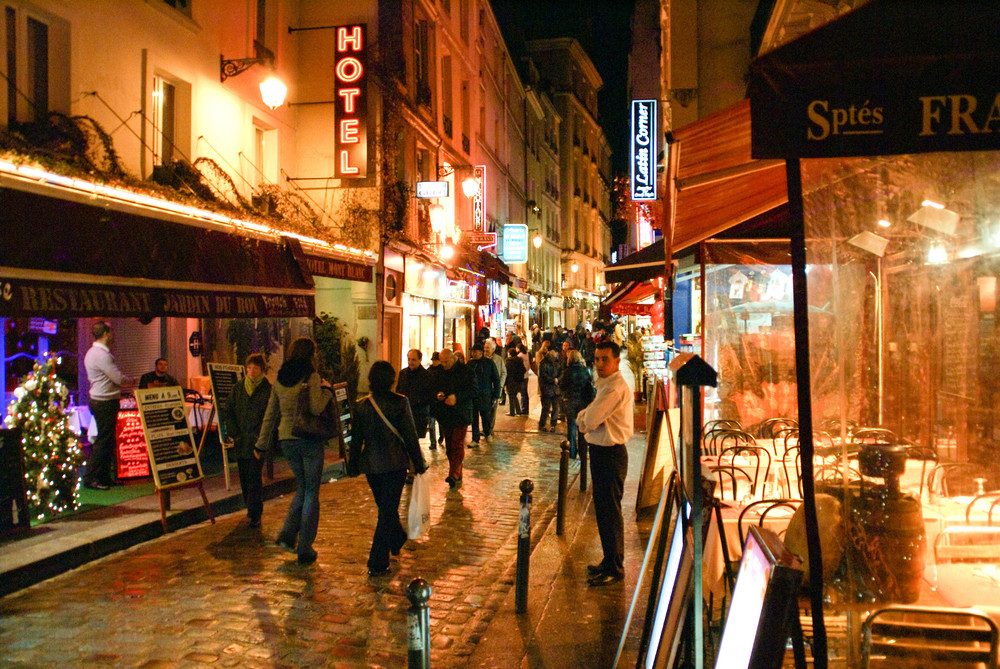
(490, 352)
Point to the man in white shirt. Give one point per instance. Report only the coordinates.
(607, 425)
(106, 381)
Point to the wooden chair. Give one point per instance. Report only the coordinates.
(719, 424)
(993, 497)
(760, 509)
(712, 436)
(874, 435)
(953, 479)
(925, 454)
(794, 455)
(928, 636)
(734, 474)
(756, 457)
(967, 543)
(194, 397)
(767, 429)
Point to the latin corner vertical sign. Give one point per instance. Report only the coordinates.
(643, 165)
(351, 102)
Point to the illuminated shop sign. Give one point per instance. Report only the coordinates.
(515, 243)
(643, 165)
(350, 107)
(432, 189)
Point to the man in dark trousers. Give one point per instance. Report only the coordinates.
(106, 381)
(453, 410)
(607, 424)
(415, 382)
(242, 416)
(487, 383)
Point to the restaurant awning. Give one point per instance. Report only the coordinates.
(644, 264)
(718, 184)
(891, 77)
(69, 254)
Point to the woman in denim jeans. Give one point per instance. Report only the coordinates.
(305, 456)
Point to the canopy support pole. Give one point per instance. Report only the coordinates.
(800, 299)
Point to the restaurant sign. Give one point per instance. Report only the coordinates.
(888, 78)
(643, 158)
(22, 297)
(336, 269)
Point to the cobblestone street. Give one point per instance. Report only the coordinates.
(224, 595)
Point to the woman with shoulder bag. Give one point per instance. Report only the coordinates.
(383, 443)
(305, 456)
(578, 391)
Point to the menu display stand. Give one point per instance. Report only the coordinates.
(173, 458)
(223, 379)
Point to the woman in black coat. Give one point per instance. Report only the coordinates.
(383, 454)
(577, 387)
(242, 416)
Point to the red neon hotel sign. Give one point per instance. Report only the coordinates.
(351, 106)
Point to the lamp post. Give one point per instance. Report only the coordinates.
(272, 89)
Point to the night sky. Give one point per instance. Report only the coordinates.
(603, 30)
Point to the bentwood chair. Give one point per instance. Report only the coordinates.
(760, 509)
(920, 636)
(758, 461)
(988, 500)
(954, 479)
(735, 477)
(770, 428)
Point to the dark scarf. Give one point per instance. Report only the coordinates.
(295, 371)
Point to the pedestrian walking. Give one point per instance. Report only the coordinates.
(106, 381)
(383, 444)
(414, 382)
(304, 456)
(490, 353)
(486, 381)
(453, 410)
(516, 381)
(607, 424)
(243, 416)
(576, 389)
(548, 388)
(436, 433)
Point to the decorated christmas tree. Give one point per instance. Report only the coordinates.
(51, 450)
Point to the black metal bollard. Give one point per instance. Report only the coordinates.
(584, 454)
(563, 482)
(523, 548)
(418, 625)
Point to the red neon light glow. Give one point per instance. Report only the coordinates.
(349, 70)
(349, 131)
(349, 95)
(345, 163)
(351, 41)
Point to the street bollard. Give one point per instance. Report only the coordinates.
(563, 481)
(584, 454)
(523, 548)
(418, 626)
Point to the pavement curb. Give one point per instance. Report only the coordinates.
(63, 561)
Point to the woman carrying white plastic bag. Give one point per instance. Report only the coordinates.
(418, 519)
(383, 443)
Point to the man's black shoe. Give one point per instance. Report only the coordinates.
(97, 486)
(605, 579)
(450, 481)
(595, 569)
(306, 560)
(372, 573)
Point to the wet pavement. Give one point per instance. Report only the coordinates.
(224, 595)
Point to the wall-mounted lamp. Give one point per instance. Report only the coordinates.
(272, 90)
(574, 268)
(533, 207)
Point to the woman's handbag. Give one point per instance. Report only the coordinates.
(310, 426)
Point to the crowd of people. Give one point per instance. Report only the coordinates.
(440, 401)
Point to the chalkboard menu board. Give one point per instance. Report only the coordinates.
(172, 453)
(344, 416)
(130, 442)
(223, 378)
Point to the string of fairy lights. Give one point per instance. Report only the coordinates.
(52, 451)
